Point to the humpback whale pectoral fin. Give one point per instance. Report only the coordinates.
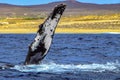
(41, 44)
(59, 9)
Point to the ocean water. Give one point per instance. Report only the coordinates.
(71, 57)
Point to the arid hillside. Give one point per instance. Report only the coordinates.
(73, 8)
(78, 17)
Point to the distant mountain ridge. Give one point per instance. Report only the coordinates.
(73, 8)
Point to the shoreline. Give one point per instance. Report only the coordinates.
(62, 31)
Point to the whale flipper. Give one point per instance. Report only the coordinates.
(41, 44)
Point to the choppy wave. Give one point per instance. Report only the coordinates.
(58, 68)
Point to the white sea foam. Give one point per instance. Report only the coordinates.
(113, 32)
(53, 67)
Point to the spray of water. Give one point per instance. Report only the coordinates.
(58, 68)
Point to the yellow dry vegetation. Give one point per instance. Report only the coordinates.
(72, 24)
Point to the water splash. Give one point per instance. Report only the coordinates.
(58, 68)
(113, 33)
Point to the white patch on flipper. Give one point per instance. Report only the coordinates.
(47, 41)
(49, 25)
(37, 41)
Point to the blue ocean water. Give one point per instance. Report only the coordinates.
(71, 57)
